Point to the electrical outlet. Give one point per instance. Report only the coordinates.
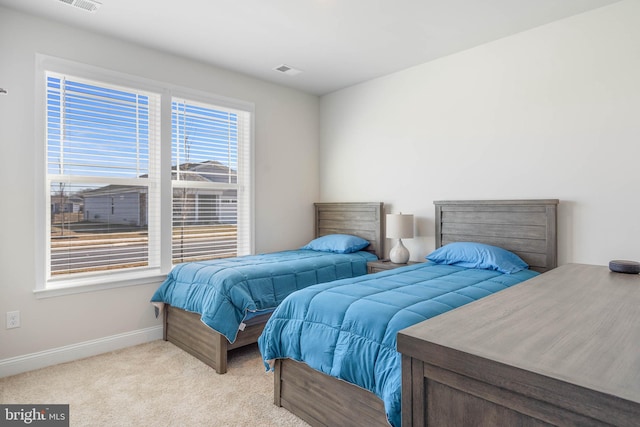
(13, 319)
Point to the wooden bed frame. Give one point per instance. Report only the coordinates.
(525, 227)
(186, 330)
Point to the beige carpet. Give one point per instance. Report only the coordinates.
(154, 384)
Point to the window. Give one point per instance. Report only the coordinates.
(102, 170)
(206, 160)
(107, 198)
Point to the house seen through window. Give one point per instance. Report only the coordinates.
(107, 183)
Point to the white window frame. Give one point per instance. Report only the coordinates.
(45, 287)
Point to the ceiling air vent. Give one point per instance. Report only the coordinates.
(285, 69)
(88, 5)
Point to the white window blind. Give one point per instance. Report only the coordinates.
(102, 176)
(210, 176)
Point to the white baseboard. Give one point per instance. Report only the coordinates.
(69, 353)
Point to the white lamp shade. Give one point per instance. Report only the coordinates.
(399, 226)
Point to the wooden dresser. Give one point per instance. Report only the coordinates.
(560, 349)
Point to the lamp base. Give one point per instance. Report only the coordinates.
(399, 254)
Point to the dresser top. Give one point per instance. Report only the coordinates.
(579, 324)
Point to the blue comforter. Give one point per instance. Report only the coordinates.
(225, 291)
(347, 329)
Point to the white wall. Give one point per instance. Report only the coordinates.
(553, 112)
(286, 178)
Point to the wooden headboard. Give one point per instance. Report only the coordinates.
(524, 227)
(364, 220)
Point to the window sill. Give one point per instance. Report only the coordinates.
(93, 284)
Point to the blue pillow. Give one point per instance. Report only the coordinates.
(337, 243)
(478, 255)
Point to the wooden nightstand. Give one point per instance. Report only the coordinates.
(382, 265)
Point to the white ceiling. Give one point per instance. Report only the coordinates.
(336, 43)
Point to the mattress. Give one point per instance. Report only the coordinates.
(347, 328)
(227, 292)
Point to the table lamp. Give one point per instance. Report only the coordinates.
(399, 226)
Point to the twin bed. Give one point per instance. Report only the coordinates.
(211, 307)
(333, 346)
